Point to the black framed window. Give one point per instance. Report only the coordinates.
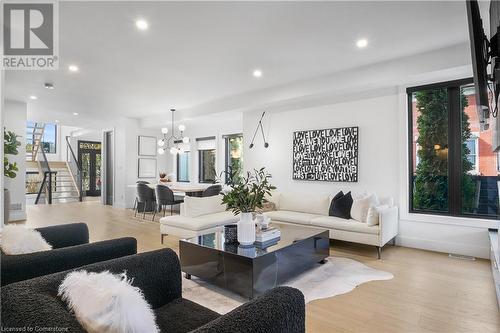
(452, 169)
(206, 166)
(234, 157)
(49, 139)
(183, 167)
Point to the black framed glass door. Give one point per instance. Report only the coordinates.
(89, 157)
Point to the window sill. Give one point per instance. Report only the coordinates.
(451, 220)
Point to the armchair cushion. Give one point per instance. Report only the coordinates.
(65, 235)
(279, 310)
(27, 266)
(182, 315)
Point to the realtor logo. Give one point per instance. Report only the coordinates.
(30, 35)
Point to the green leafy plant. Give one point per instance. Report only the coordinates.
(10, 147)
(431, 175)
(248, 193)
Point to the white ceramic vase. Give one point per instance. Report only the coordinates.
(246, 229)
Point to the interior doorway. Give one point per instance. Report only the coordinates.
(89, 157)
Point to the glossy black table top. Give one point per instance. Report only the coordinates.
(290, 234)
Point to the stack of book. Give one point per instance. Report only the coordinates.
(267, 236)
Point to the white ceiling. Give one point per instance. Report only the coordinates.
(198, 52)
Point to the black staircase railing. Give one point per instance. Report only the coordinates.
(46, 185)
(74, 167)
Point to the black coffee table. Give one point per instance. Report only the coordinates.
(251, 271)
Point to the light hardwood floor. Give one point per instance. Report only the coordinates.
(430, 292)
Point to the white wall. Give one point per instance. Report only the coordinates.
(378, 144)
(15, 120)
(126, 160)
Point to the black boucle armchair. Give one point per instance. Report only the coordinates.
(71, 249)
(34, 303)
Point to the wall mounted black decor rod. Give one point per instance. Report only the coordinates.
(259, 125)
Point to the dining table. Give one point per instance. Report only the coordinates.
(192, 190)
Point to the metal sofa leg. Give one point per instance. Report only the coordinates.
(379, 251)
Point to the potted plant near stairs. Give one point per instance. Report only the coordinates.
(10, 147)
(243, 197)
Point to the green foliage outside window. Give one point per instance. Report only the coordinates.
(431, 175)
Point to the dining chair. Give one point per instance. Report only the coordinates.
(165, 197)
(146, 198)
(212, 190)
(136, 197)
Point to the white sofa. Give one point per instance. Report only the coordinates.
(200, 216)
(312, 210)
(197, 216)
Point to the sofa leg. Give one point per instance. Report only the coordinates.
(187, 276)
(162, 235)
(394, 241)
(379, 251)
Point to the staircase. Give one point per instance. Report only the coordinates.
(64, 185)
(64, 188)
(37, 134)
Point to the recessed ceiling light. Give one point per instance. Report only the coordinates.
(257, 73)
(73, 68)
(75, 113)
(362, 43)
(141, 24)
(33, 97)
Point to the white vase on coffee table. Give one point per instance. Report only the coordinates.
(246, 229)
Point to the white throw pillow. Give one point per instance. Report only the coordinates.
(360, 206)
(107, 303)
(194, 207)
(17, 239)
(372, 217)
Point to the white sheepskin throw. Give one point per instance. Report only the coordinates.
(17, 239)
(107, 303)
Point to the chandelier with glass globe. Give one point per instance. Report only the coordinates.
(173, 142)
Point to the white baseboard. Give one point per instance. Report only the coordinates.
(17, 215)
(445, 247)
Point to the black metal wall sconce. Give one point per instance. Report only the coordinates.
(259, 125)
